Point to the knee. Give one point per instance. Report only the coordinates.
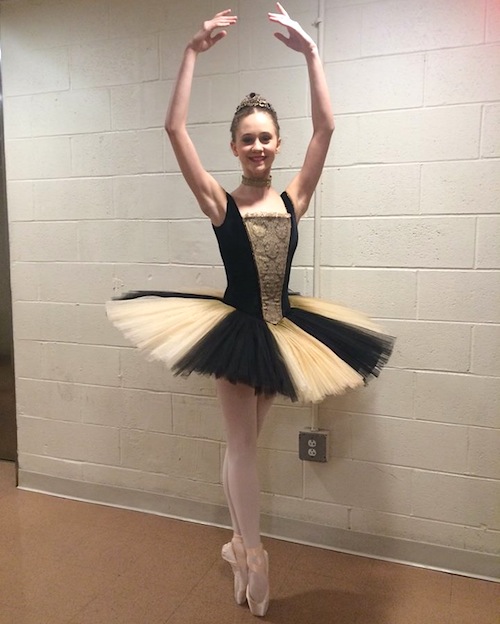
(242, 444)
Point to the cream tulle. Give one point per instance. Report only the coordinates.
(315, 370)
(334, 311)
(166, 328)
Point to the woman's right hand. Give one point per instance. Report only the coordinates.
(204, 38)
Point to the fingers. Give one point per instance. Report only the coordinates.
(224, 18)
(225, 12)
(281, 9)
(275, 17)
(218, 36)
(280, 18)
(221, 23)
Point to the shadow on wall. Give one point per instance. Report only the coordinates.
(8, 437)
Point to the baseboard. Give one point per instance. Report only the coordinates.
(431, 556)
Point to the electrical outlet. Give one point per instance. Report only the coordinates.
(313, 445)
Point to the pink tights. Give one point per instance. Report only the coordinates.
(243, 413)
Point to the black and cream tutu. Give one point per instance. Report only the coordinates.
(256, 332)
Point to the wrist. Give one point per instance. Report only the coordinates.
(311, 51)
(191, 49)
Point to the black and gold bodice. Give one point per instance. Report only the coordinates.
(257, 252)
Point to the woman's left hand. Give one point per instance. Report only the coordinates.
(297, 39)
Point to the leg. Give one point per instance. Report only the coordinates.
(239, 409)
(264, 403)
(244, 413)
(232, 513)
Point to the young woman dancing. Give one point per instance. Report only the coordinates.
(255, 339)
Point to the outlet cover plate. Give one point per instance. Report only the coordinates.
(313, 445)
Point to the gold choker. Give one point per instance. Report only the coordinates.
(259, 182)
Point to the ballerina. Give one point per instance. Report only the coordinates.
(255, 339)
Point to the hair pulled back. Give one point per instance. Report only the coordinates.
(248, 105)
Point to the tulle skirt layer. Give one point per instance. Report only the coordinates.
(317, 349)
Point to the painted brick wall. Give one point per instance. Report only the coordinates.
(409, 233)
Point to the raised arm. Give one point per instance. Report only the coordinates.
(301, 188)
(211, 197)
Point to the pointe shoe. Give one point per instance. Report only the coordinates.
(234, 553)
(258, 566)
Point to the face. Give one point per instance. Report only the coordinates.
(256, 144)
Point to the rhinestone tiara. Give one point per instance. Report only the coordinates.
(254, 100)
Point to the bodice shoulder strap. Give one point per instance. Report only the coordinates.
(288, 204)
(231, 211)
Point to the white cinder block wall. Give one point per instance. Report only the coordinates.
(409, 232)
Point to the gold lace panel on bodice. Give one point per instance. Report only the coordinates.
(269, 236)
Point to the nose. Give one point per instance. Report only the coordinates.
(257, 146)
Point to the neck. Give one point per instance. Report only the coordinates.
(258, 182)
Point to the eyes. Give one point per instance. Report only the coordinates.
(264, 137)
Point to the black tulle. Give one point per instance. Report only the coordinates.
(242, 350)
(136, 294)
(365, 351)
